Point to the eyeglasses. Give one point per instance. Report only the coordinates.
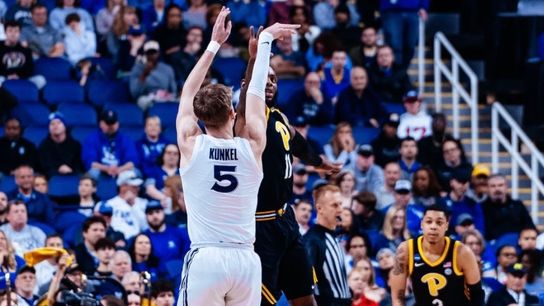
(509, 255)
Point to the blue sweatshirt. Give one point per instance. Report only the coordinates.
(403, 5)
(101, 149)
(466, 206)
(149, 153)
(173, 241)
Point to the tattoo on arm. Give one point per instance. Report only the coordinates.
(399, 268)
(401, 297)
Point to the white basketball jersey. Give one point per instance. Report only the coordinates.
(220, 185)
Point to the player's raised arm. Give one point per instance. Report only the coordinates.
(186, 121)
(399, 275)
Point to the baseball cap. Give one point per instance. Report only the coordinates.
(411, 96)
(105, 209)
(403, 186)
(153, 205)
(365, 150)
(151, 45)
(109, 116)
(481, 170)
(129, 177)
(299, 169)
(465, 219)
(462, 176)
(57, 115)
(26, 268)
(516, 269)
(384, 251)
(319, 183)
(393, 120)
(74, 268)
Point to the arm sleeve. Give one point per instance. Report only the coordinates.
(303, 150)
(476, 294)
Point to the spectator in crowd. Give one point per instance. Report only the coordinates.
(150, 79)
(341, 148)
(513, 293)
(303, 213)
(403, 199)
(426, 188)
(527, 239)
(40, 183)
(365, 54)
(319, 240)
(336, 78)
(171, 34)
(400, 26)
(344, 30)
(394, 229)
(169, 166)
(415, 122)
(478, 183)
(195, 15)
(132, 282)
(108, 152)
(174, 189)
(369, 176)
(45, 270)
(134, 299)
(300, 180)
(307, 32)
(125, 32)
(10, 261)
(87, 195)
(476, 242)
(364, 208)
(392, 173)
(506, 255)
(357, 248)
(358, 104)
(190, 53)
(347, 227)
(25, 284)
(40, 37)
(20, 12)
(387, 144)
(39, 209)
(106, 15)
(104, 249)
(361, 282)
(59, 152)
(386, 261)
(311, 102)
(153, 14)
(346, 181)
(430, 147)
(58, 15)
(323, 13)
(23, 236)
(454, 160)
(16, 60)
(408, 157)
(173, 241)
(162, 293)
(459, 203)
(287, 63)
(143, 257)
(80, 43)
(503, 214)
(16, 150)
(320, 52)
(3, 207)
(388, 78)
(532, 261)
(151, 145)
(121, 265)
(94, 229)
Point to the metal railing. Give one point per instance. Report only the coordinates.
(421, 57)
(512, 147)
(452, 75)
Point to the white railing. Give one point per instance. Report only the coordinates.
(421, 57)
(512, 147)
(452, 75)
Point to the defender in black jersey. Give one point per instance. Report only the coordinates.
(443, 272)
(284, 260)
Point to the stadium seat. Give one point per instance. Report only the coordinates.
(128, 114)
(101, 92)
(36, 114)
(286, 89)
(80, 133)
(36, 134)
(167, 111)
(78, 114)
(104, 67)
(133, 132)
(231, 68)
(170, 134)
(56, 92)
(53, 68)
(391, 107)
(321, 134)
(364, 135)
(7, 183)
(63, 186)
(68, 219)
(106, 188)
(23, 90)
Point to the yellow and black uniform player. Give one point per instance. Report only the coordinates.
(285, 263)
(442, 271)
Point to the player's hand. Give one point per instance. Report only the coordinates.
(253, 40)
(329, 168)
(221, 31)
(280, 30)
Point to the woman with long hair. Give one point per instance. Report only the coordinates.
(361, 281)
(9, 262)
(341, 148)
(174, 190)
(106, 16)
(126, 30)
(196, 14)
(476, 242)
(143, 259)
(346, 181)
(426, 188)
(394, 229)
(169, 166)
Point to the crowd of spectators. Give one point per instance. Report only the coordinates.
(352, 67)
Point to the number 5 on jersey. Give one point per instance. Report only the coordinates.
(226, 181)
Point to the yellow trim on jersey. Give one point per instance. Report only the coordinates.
(265, 212)
(455, 267)
(267, 112)
(439, 260)
(314, 275)
(265, 219)
(410, 256)
(269, 297)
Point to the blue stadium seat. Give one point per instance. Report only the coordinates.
(167, 111)
(78, 114)
(391, 107)
(231, 68)
(53, 68)
(129, 114)
(63, 185)
(101, 92)
(80, 133)
(133, 132)
(104, 67)
(106, 188)
(66, 220)
(286, 89)
(7, 183)
(321, 134)
(173, 267)
(56, 92)
(36, 134)
(364, 135)
(36, 114)
(23, 90)
(170, 134)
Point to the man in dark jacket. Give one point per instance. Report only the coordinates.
(15, 149)
(513, 293)
(388, 78)
(311, 103)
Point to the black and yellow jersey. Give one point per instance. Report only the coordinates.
(438, 283)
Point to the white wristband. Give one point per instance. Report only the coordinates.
(265, 37)
(213, 47)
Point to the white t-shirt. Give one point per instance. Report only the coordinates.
(127, 219)
(29, 238)
(416, 126)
